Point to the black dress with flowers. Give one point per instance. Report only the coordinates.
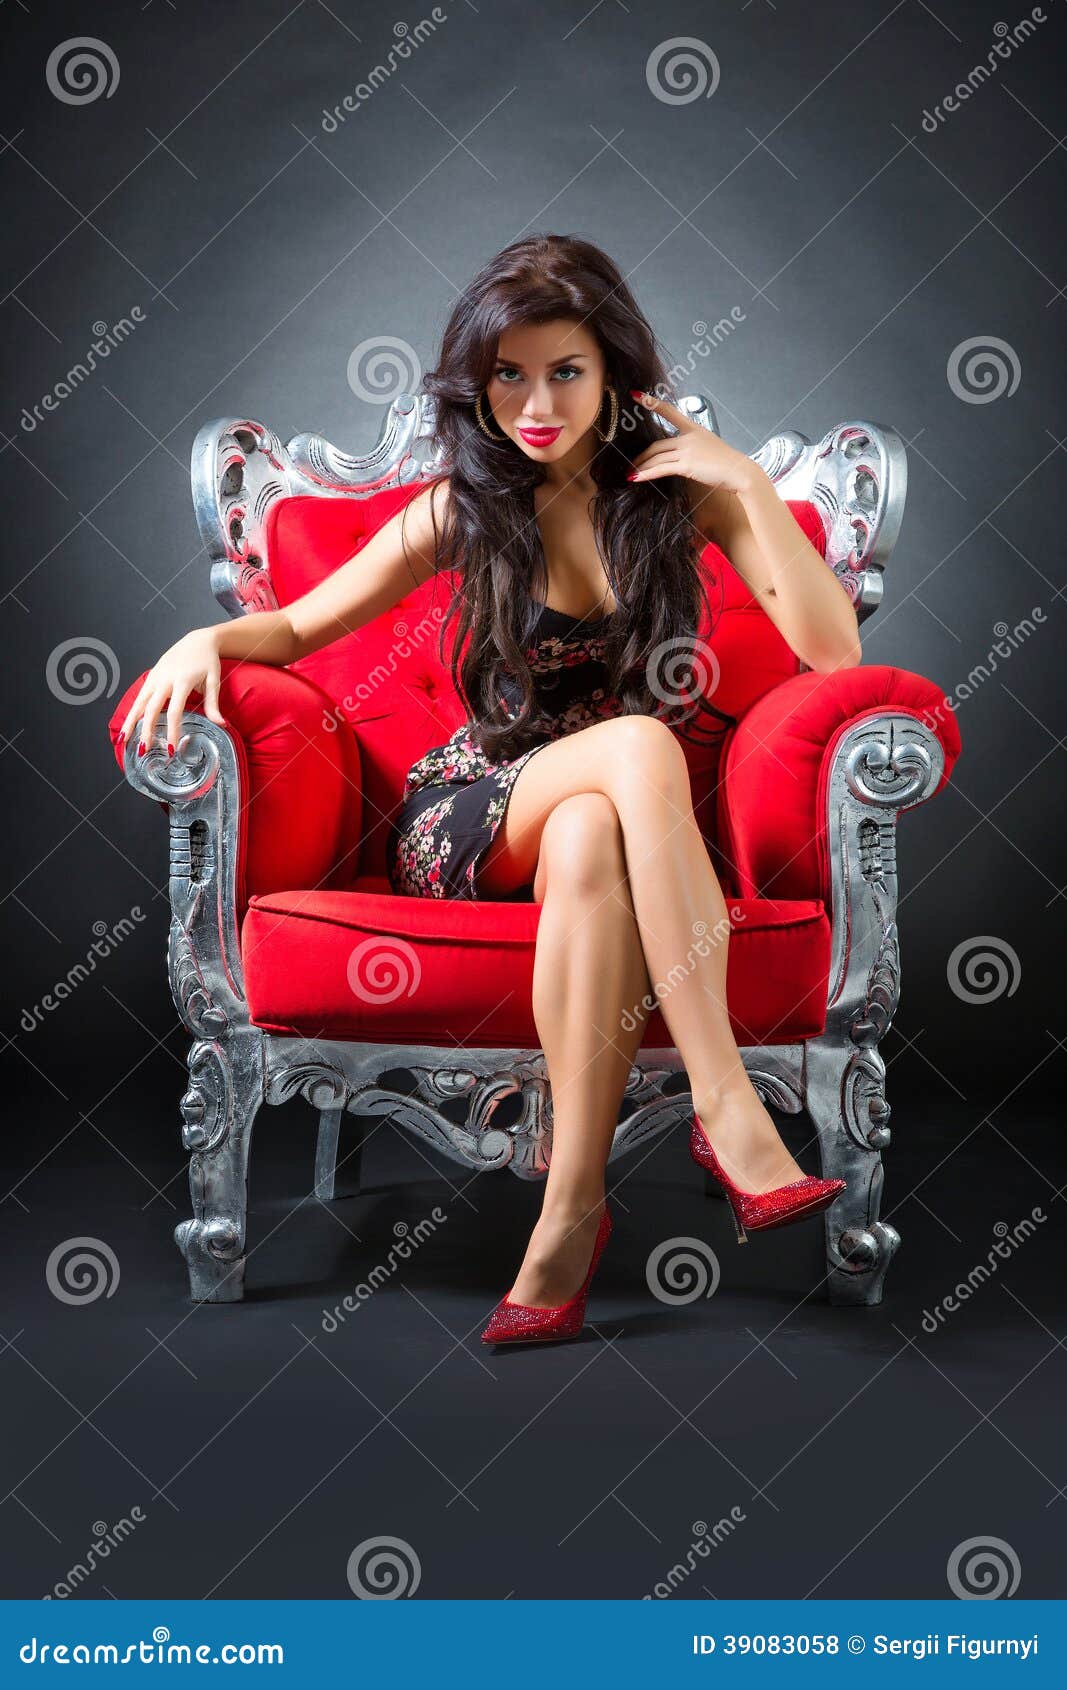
(455, 798)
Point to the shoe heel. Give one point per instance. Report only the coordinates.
(742, 1235)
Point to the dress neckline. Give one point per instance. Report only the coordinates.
(565, 615)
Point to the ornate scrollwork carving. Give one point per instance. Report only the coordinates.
(187, 776)
(863, 1100)
(190, 989)
(888, 770)
(874, 1017)
(776, 1091)
(322, 1082)
(207, 1106)
(855, 476)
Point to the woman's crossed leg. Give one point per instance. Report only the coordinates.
(601, 821)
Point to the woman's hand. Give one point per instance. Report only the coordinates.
(693, 452)
(192, 664)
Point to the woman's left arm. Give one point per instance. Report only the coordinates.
(734, 505)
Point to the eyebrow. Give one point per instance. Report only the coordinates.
(514, 362)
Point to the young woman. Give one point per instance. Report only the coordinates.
(576, 544)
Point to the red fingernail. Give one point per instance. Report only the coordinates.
(170, 751)
(635, 393)
(140, 749)
(631, 478)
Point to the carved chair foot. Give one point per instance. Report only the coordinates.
(861, 1257)
(218, 1111)
(214, 1253)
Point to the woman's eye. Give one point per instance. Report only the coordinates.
(569, 370)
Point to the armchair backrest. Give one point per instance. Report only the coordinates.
(277, 519)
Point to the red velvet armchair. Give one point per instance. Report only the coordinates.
(296, 970)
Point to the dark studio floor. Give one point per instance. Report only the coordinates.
(855, 1449)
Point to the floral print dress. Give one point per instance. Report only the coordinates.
(455, 798)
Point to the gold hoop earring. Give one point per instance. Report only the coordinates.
(482, 424)
(613, 425)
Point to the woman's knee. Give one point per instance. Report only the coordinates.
(643, 749)
(582, 842)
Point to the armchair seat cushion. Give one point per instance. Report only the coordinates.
(366, 964)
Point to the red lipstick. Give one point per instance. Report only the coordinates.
(540, 436)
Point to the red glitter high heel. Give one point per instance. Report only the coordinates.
(522, 1323)
(760, 1210)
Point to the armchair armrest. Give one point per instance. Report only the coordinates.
(882, 733)
(284, 782)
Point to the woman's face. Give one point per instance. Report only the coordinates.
(547, 386)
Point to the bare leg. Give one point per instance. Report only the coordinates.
(679, 908)
(589, 984)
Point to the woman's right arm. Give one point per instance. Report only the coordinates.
(401, 553)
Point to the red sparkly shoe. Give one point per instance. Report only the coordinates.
(522, 1323)
(760, 1210)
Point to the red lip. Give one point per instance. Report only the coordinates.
(540, 436)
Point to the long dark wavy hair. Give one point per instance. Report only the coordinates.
(489, 535)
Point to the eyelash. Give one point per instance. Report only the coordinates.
(562, 367)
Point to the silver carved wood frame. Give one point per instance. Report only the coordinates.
(856, 477)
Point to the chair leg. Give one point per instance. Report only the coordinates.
(845, 1100)
(326, 1157)
(326, 1154)
(219, 1109)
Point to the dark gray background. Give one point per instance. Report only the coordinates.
(862, 250)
